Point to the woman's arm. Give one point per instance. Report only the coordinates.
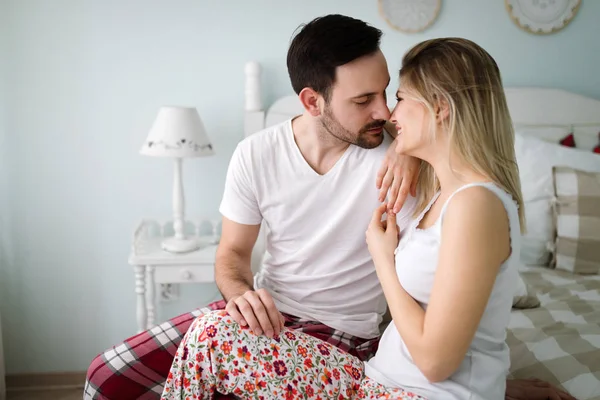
(475, 241)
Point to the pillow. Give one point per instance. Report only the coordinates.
(587, 137)
(568, 140)
(535, 159)
(577, 217)
(548, 133)
(537, 240)
(581, 136)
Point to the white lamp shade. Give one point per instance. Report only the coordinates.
(177, 132)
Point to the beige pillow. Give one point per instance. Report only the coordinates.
(577, 220)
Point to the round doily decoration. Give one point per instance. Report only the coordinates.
(542, 16)
(410, 16)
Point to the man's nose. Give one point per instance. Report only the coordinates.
(381, 111)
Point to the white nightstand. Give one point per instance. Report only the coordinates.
(155, 266)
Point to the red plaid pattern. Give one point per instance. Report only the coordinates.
(138, 367)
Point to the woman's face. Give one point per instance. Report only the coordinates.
(412, 122)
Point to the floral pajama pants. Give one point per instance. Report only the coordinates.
(217, 354)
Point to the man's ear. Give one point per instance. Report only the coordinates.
(311, 101)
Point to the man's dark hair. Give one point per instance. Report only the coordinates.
(324, 44)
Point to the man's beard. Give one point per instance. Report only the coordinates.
(363, 138)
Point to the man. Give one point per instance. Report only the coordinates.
(310, 180)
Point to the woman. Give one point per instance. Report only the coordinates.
(447, 277)
(449, 285)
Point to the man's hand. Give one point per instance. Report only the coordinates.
(533, 389)
(399, 174)
(257, 310)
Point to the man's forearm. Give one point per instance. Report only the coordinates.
(233, 274)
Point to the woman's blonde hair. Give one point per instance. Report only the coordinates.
(463, 75)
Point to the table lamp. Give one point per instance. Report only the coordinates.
(178, 132)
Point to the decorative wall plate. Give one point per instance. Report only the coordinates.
(409, 16)
(542, 16)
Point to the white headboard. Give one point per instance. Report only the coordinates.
(529, 106)
(547, 106)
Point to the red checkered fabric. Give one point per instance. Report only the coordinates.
(138, 367)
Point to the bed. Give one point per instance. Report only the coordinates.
(559, 340)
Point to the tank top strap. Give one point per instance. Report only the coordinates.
(505, 197)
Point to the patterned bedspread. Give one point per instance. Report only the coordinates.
(559, 341)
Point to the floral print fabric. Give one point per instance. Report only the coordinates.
(217, 354)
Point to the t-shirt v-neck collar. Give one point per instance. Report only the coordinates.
(305, 165)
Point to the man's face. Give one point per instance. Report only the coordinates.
(357, 107)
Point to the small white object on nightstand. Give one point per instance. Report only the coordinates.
(153, 265)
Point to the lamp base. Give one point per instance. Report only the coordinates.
(185, 245)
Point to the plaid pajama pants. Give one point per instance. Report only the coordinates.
(138, 367)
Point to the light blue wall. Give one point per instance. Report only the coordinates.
(6, 261)
(84, 80)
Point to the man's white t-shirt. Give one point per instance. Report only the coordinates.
(317, 265)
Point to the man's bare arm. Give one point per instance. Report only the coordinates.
(233, 274)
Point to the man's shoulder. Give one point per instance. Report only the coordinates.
(266, 139)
